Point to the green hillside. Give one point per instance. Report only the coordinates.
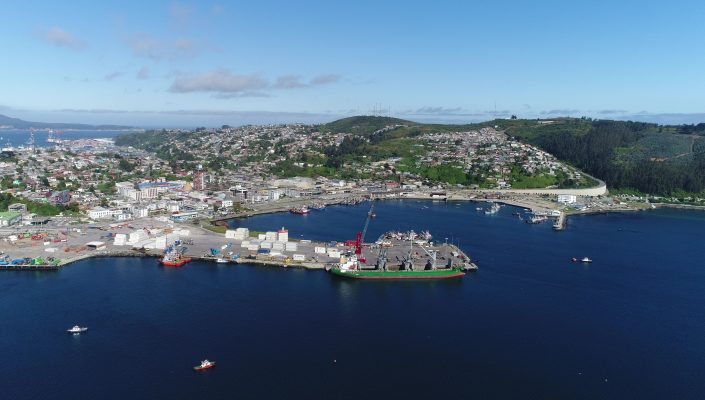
(648, 157)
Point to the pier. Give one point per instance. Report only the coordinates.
(150, 238)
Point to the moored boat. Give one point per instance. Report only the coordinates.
(350, 267)
(205, 364)
(300, 210)
(174, 260)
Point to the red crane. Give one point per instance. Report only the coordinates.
(361, 235)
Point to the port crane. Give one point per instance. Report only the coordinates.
(361, 235)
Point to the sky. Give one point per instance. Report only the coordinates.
(168, 63)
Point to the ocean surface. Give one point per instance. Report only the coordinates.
(19, 137)
(528, 324)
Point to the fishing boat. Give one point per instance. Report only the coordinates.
(77, 329)
(300, 210)
(205, 364)
(535, 219)
(317, 206)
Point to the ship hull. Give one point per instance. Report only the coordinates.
(178, 263)
(398, 275)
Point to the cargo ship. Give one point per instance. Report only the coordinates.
(350, 267)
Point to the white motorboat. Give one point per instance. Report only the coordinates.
(586, 260)
(76, 329)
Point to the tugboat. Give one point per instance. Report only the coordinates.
(174, 259)
(205, 364)
(76, 330)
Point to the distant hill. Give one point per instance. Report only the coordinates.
(363, 124)
(21, 124)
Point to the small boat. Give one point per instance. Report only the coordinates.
(174, 260)
(77, 329)
(574, 259)
(300, 211)
(493, 210)
(585, 260)
(221, 260)
(479, 208)
(205, 364)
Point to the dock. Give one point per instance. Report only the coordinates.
(560, 223)
(151, 237)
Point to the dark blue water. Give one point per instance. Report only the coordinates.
(529, 324)
(19, 137)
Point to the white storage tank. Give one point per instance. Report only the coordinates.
(120, 239)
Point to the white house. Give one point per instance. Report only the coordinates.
(567, 198)
(102, 213)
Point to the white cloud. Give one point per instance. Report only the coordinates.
(112, 76)
(181, 14)
(225, 84)
(148, 46)
(289, 82)
(221, 82)
(143, 73)
(325, 79)
(59, 37)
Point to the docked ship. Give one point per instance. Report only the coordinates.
(300, 210)
(350, 267)
(174, 259)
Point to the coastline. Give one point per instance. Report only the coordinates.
(208, 238)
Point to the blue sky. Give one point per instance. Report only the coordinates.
(232, 62)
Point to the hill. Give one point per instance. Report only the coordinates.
(651, 158)
(17, 123)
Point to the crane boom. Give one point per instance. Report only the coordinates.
(361, 235)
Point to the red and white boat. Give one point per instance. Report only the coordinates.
(300, 210)
(205, 364)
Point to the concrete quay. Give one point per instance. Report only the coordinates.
(72, 243)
